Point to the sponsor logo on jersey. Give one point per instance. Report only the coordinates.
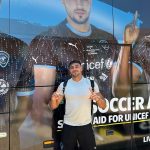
(35, 59)
(92, 50)
(108, 63)
(4, 59)
(99, 64)
(4, 86)
(95, 65)
(105, 44)
(74, 45)
(103, 77)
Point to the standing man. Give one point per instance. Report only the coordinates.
(77, 118)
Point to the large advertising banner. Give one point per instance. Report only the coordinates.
(38, 41)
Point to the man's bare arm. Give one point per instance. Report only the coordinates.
(23, 108)
(121, 78)
(44, 86)
(99, 99)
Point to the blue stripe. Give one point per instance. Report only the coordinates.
(84, 34)
(138, 67)
(45, 66)
(26, 93)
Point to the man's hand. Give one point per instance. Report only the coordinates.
(131, 31)
(55, 100)
(94, 96)
(98, 98)
(56, 96)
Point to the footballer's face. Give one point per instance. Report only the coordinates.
(75, 70)
(78, 10)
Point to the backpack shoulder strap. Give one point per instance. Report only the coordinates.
(92, 86)
(64, 85)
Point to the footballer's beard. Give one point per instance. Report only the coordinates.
(79, 19)
(80, 22)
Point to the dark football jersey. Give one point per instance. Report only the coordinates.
(15, 73)
(141, 56)
(59, 45)
(141, 53)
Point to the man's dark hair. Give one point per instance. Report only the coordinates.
(74, 61)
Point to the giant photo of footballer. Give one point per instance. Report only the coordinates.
(107, 45)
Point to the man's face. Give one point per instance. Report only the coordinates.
(75, 70)
(78, 10)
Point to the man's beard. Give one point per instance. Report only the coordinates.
(75, 75)
(80, 22)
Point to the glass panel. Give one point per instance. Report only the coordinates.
(140, 59)
(27, 21)
(4, 16)
(4, 85)
(39, 39)
(141, 128)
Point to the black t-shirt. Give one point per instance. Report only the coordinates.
(15, 73)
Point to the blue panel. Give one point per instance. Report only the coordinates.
(33, 17)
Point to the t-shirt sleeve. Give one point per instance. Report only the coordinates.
(60, 89)
(42, 53)
(96, 88)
